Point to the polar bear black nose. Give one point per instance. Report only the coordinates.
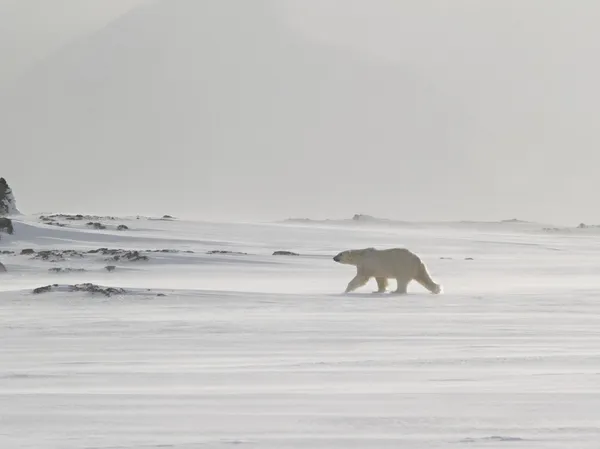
(336, 258)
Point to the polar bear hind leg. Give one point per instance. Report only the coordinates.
(402, 286)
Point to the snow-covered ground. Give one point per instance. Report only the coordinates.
(262, 351)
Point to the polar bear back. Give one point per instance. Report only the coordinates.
(389, 263)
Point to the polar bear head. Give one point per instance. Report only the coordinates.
(350, 256)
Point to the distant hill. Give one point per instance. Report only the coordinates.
(181, 87)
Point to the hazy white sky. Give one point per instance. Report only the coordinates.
(267, 109)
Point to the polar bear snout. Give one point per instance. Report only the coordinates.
(341, 257)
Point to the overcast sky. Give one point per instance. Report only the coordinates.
(229, 109)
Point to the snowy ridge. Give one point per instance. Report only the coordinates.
(214, 341)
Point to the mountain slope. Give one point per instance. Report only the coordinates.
(182, 90)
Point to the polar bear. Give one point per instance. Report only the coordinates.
(398, 263)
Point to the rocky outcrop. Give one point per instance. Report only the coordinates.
(66, 270)
(6, 225)
(89, 288)
(95, 225)
(120, 254)
(8, 204)
(92, 289)
(285, 253)
(2, 268)
(57, 255)
(221, 251)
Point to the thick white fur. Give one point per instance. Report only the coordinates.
(397, 263)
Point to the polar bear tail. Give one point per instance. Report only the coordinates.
(425, 280)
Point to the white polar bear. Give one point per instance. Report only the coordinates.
(398, 263)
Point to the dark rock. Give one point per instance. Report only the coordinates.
(57, 255)
(122, 227)
(92, 288)
(110, 268)
(8, 204)
(172, 251)
(96, 225)
(218, 251)
(132, 256)
(50, 221)
(27, 251)
(168, 217)
(77, 217)
(66, 270)
(45, 289)
(89, 288)
(469, 258)
(2, 268)
(119, 254)
(6, 225)
(285, 253)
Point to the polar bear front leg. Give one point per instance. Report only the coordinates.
(382, 284)
(358, 281)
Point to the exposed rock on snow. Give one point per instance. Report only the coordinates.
(66, 270)
(50, 221)
(6, 225)
(114, 254)
(120, 254)
(8, 204)
(220, 251)
(76, 217)
(90, 288)
(173, 251)
(2, 268)
(96, 225)
(57, 255)
(285, 253)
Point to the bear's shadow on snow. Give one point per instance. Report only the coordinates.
(372, 295)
